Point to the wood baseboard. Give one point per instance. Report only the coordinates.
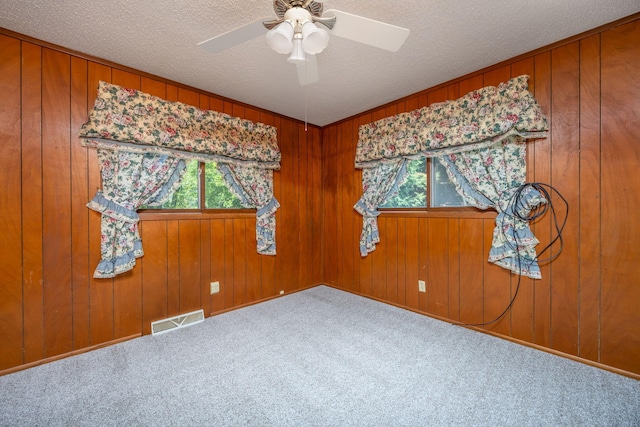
(65, 355)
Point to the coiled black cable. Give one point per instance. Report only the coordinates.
(515, 201)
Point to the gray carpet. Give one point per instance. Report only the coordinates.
(321, 357)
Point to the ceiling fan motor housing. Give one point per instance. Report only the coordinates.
(297, 16)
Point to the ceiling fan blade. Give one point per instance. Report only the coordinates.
(367, 31)
(234, 37)
(308, 71)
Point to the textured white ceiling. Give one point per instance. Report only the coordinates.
(449, 38)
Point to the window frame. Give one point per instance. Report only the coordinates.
(201, 212)
(437, 211)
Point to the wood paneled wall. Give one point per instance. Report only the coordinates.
(587, 305)
(50, 305)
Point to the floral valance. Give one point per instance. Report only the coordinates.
(139, 122)
(479, 119)
(143, 142)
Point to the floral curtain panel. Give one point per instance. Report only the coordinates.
(489, 178)
(129, 180)
(254, 188)
(142, 142)
(379, 184)
(492, 120)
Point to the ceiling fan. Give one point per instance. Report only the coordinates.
(295, 33)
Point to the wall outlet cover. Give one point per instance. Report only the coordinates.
(214, 287)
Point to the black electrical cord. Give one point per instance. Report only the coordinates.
(514, 202)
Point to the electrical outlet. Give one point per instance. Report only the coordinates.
(422, 286)
(214, 287)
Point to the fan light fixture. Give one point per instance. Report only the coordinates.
(297, 35)
(299, 31)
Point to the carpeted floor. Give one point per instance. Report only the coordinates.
(321, 357)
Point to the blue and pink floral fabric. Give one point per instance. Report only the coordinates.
(478, 119)
(479, 138)
(142, 142)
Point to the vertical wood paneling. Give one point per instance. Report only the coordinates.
(586, 303)
(188, 97)
(58, 298)
(438, 273)
(412, 264)
(454, 268)
(10, 197)
(218, 264)
(229, 261)
(472, 264)
(239, 262)
(579, 292)
(497, 286)
(100, 290)
(620, 339)
(522, 310)
(565, 89)
(293, 239)
(254, 280)
(497, 76)
(173, 267)
(205, 245)
(79, 212)
(153, 87)
(356, 218)
(542, 227)
(340, 206)
(391, 259)
(379, 262)
(316, 205)
(271, 280)
(365, 263)
(154, 273)
(401, 264)
(471, 83)
(127, 290)
(329, 195)
(190, 261)
(304, 193)
(590, 196)
(423, 262)
(32, 197)
(347, 154)
(287, 241)
(497, 291)
(53, 305)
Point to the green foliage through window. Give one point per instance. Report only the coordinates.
(187, 196)
(216, 193)
(413, 192)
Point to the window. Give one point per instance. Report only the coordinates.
(413, 192)
(214, 194)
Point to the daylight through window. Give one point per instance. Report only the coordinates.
(426, 177)
(195, 191)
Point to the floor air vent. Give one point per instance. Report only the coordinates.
(176, 322)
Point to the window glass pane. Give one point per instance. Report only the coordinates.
(186, 196)
(216, 193)
(413, 193)
(443, 191)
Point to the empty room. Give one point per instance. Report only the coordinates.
(299, 213)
